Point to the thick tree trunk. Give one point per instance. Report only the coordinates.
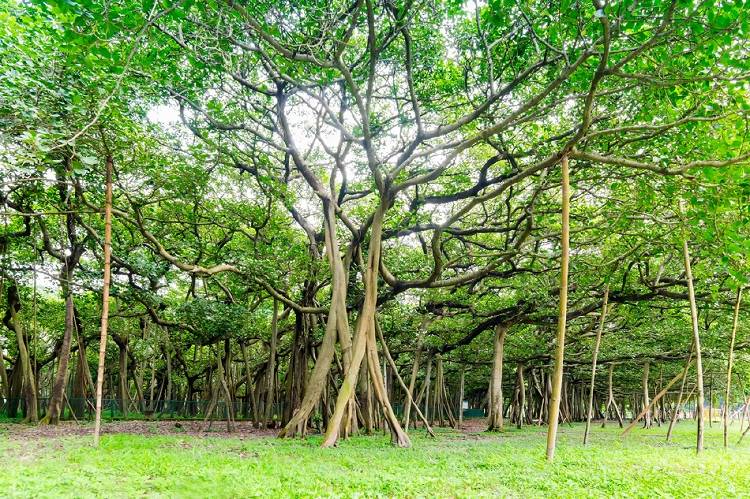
(55, 408)
(425, 391)
(364, 343)
(298, 359)
(495, 422)
(13, 321)
(318, 378)
(557, 379)
(122, 390)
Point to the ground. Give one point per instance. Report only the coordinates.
(159, 459)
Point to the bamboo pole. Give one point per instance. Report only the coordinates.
(105, 297)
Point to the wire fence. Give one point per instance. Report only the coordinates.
(114, 409)
(84, 408)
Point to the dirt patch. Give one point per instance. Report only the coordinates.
(244, 429)
(472, 428)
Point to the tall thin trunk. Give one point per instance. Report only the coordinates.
(249, 383)
(598, 341)
(413, 380)
(557, 380)
(697, 346)
(646, 404)
(425, 391)
(496, 381)
(673, 420)
(521, 395)
(271, 375)
(122, 345)
(461, 399)
(735, 322)
(409, 399)
(168, 360)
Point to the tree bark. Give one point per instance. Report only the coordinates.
(364, 343)
(653, 402)
(271, 375)
(602, 319)
(521, 395)
(105, 298)
(557, 380)
(408, 400)
(319, 375)
(55, 408)
(461, 399)
(495, 422)
(13, 321)
(697, 346)
(646, 403)
(735, 322)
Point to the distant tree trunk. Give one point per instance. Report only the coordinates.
(271, 376)
(648, 407)
(168, 359)
(646, 403)
(461, 399)
(413, 379)
(557, 380)
(521, 395)
(224, 388)
(495, 422)
(710, 401)
(426, 388)
(679, 396)
(122, 346)
(4, 378)
(735, 322)
(250, 399)
(590, 410)
(697, 346)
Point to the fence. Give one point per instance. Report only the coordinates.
(84, 408)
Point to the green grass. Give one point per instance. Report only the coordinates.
(507, 464)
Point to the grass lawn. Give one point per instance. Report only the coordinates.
(453, 464)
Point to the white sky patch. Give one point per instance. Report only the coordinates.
(164, 114)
